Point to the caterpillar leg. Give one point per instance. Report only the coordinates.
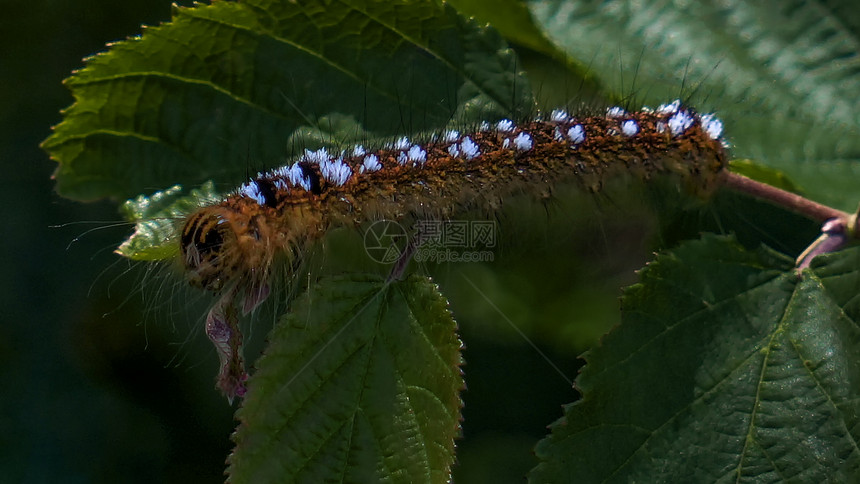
(222, 328)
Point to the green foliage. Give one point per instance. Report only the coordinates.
(781, 75)
(156, 218)
(726, 365)
(362, 388)
(225, 85)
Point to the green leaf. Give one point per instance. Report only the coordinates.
(557, 69)
(781, 75)
(726, 366)
(224, 86)
(360, 383)
(512, 19)
(156, 220)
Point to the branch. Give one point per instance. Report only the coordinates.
(791, 201)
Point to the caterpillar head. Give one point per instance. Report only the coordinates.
(223, 247)
(209, 247)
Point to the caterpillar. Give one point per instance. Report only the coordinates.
(230, 247)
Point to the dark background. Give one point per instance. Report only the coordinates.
(92, 391)
(107, 375)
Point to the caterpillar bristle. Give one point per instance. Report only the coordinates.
(230, 247)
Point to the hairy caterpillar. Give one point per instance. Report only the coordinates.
(230, 247)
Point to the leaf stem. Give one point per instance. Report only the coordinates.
(837, 228)
(791, 201)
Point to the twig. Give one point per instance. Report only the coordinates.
(837, 227)
(791, 201)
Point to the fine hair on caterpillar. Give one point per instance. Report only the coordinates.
(253, 245)
(280, 211)
(231, 247)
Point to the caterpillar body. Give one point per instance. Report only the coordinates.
(230, 247)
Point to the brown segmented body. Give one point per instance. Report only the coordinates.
(235, 241)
